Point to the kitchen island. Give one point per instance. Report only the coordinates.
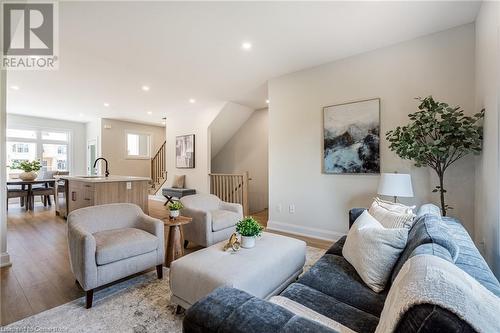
(85, 191)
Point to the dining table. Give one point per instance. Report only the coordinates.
(28, 184)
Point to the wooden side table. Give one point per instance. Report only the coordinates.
(173, 245)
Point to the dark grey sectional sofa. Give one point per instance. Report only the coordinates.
(333, 288)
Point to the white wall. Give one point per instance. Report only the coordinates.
(197, 123)
(247, 150)
(441, 64)
(487, 95)
(113, 146)
(226, 124)
(77, 147)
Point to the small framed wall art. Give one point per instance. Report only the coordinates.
(184, 151)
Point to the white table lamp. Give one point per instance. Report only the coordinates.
(395, 185)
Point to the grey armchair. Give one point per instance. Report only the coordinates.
(110, 242)
(213, 219)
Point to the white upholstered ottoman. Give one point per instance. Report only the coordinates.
(262, 271)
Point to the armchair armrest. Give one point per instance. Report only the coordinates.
(154, 227)
(151, 225)
(233, 207)
(200, 230)
(196, 214)
(229, 310)
(82, 249)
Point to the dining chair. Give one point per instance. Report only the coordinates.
(44, 190)
(18, 193)
(61, 184)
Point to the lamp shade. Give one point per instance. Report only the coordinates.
(395, 185)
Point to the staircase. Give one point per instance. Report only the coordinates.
(231, 188)
(158, 170)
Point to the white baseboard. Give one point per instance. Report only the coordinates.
(157, 198)
(299, 230)
(5, 260)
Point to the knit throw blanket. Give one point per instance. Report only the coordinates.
(424, 279)
(432, 280)
(302, 311)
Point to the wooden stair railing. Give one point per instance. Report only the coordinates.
(231, 188)
(158, 169)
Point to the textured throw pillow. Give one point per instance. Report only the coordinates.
(392, 215)
(178, 181)
(373, 250)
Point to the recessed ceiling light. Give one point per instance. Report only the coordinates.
(106, 104)
(80, 114)
(14, 87)
(267, 101)
(192, 100)
(246, 46)
(145, 88)
(150, 113)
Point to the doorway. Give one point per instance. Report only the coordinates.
(91, 157)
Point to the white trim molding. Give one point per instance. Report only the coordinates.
(5, 260)
(4, 256)
(157, 197)
(299, 230)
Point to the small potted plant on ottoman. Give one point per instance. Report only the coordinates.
(175, 208)
(30, 169)
(248, 228)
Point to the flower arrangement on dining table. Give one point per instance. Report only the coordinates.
(30, 169)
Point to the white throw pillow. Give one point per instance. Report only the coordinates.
(373, 250)
(392, 215)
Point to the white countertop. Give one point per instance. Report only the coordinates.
(102, 179)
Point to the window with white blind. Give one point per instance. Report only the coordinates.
(138, 145)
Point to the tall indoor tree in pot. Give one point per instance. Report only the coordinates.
(437, 136)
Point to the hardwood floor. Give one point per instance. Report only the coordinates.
(40, 277)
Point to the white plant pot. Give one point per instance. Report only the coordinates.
(28, 175)
(174, 213)
(247, 242)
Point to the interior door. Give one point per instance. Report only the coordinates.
(91, 157)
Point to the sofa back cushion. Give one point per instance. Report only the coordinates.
(428, 229)
(429, 209)
(469, 259)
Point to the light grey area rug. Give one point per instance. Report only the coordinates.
(141, 304)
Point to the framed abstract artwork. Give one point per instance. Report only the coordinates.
(184, 151)
(351, 138)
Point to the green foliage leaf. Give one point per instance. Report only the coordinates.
(437, 136)
(176, 205)
(27, 166)
(249, 227)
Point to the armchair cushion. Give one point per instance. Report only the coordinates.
(118, 244)
(222, 219)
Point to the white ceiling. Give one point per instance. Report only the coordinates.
(108, 50)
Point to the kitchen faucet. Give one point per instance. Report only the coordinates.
(105, 160)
